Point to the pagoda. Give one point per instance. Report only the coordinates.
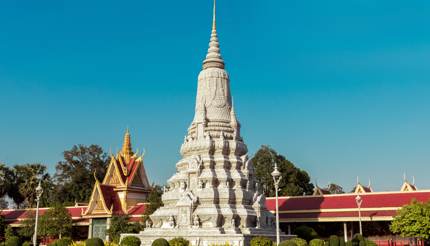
(124, 187)
(213, 198)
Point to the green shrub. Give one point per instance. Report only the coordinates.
(94, 242)
(62, 242)
(299, 241)
(179, 241)
(261, 241)
(370, 243)
(341, 242)
(348, 243)
(130, 241)
(27, 243)
(160, 242)
(8, 232)
(334, 240)
(13, 241)
(316, 242)
(287, 243)
(305, 232)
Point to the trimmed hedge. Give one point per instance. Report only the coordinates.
(316, 242)
(62, 242)
(94, 242)
(299, 241)
(334, 240)
(261, 241)
(305, 232)
(13, 241)
(287, 243)
(179, 241)
(27, 243)
(130, 241)
(160, 242)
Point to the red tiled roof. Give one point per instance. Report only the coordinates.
(344, 205)
(15, 216)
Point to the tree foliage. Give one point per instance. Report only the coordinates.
(120, 224)
(26, 179)
(294, 182)
(413, 220)
(335, 189)
(75, 174)
(154, 200)
(56, 222)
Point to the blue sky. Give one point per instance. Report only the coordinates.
(339, 87)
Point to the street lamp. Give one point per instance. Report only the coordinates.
(39, 192)
(359, 201)
(276, 179)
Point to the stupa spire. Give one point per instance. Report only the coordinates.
(213, 57)
(126, 146)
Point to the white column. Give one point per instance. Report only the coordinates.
(90, 229)
(345, 231)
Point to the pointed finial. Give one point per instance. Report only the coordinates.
(370, 183)
(126, 146)
(413, 180)
(404, 176)
(214, 17)
(213, 57)
(357, 181)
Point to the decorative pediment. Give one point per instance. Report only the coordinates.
(408, 187)
(97, 204)
(359, 188)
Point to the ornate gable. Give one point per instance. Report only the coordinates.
(408, 187)
(97, 204)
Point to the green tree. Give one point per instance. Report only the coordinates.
(6, 176)
(56, 222)
(154, 200)
(2, 227)
(413, 220)
(294, 182)
(26, 179)
(335, 189)
(75, 174)
(120, 224)
(27, 226)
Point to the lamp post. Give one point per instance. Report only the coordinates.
(359, 201)
(276, 179)
(39, 192)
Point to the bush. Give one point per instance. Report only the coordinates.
(316, 242)
(334, 240)
(130, 241)
(27, 243)
(261, 241)
(370, 243)
(341, 242)
(94, 242)
(179, 241)
(287, 243)
(8, 232)
(62, 242)
(305, 232)
(349, 243)
(13, 241)
(160, 242)
(299, 241)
